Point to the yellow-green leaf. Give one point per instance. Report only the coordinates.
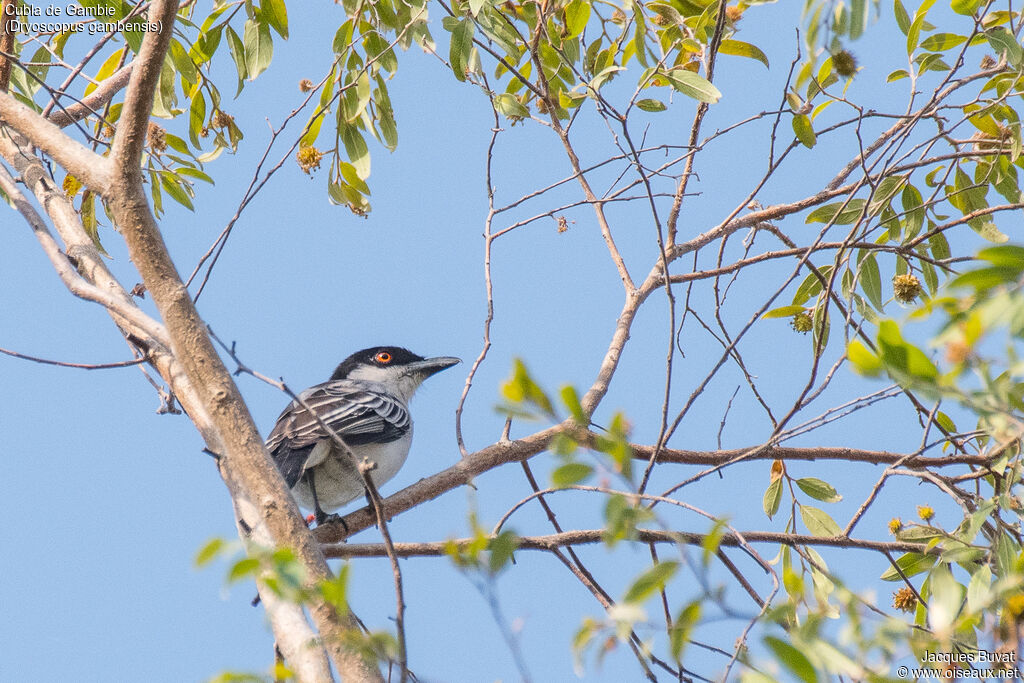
(804, 131)
(693, 85)
(818, 522)
(740, 49)
(772, 498)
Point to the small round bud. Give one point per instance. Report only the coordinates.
(305, 85)
(156, 138)
(734, 13)
(844, 63)
(987, 62)
(904, 600)
(802, 322)
(925, 512)
(895, 524)
(309, 158)
(221, 119)
(906, 287)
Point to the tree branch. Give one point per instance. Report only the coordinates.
(552, 542)
(87, 106)
(90, 168)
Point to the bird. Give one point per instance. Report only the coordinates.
(366, 403)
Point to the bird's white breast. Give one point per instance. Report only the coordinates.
(337, 482)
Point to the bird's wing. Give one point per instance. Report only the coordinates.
(356, 411)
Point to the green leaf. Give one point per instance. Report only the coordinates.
(243, 568)
(919, 534)
(818, 489)
(901, 357)
(196, 117)
(783, 312)
(510, 107)
(89, 221)
(577, 14)
(312, 130)
(651, 105)
(871, 280)
(355, 98)
(910, 564)
(837, 214)
(693, 85)
(939, 42)
(348, 172)
(502, 547)
(461, 48)
(988, 230)
(355, 147)
(335, 590)
(343, 37)
(914, 32)
(679, 635)
(979, 594)
(237, 51)
(712, 541)
(522, 389)
(984, 279)
(174, 187)
(811, 286)
(804, 131)
(792, 659)
(1011, 256)
(913, 207)
(1004, 42)
(571, 100)
(945, 600)
(738, 48)
(206, 45)
(946, 422)
(276, 14)
(109, 66)
(966, 7)
(572, 403)
(183, 63)
(195, 173)
(902, 18)
(570, 474)
(772, 498)
(884, 193)
(818, 522)
(652, 580)
(259, 47)
(865, 362)
(209, 551)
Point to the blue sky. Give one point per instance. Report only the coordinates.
(106, 503)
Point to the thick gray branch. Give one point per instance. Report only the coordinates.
(105, 92)
(90, 168)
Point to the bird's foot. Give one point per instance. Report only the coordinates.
(323, 519)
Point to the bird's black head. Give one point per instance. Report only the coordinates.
(379, 356)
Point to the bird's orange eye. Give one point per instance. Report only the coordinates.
(383, 357)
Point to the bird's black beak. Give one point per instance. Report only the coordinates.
(431, 366)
